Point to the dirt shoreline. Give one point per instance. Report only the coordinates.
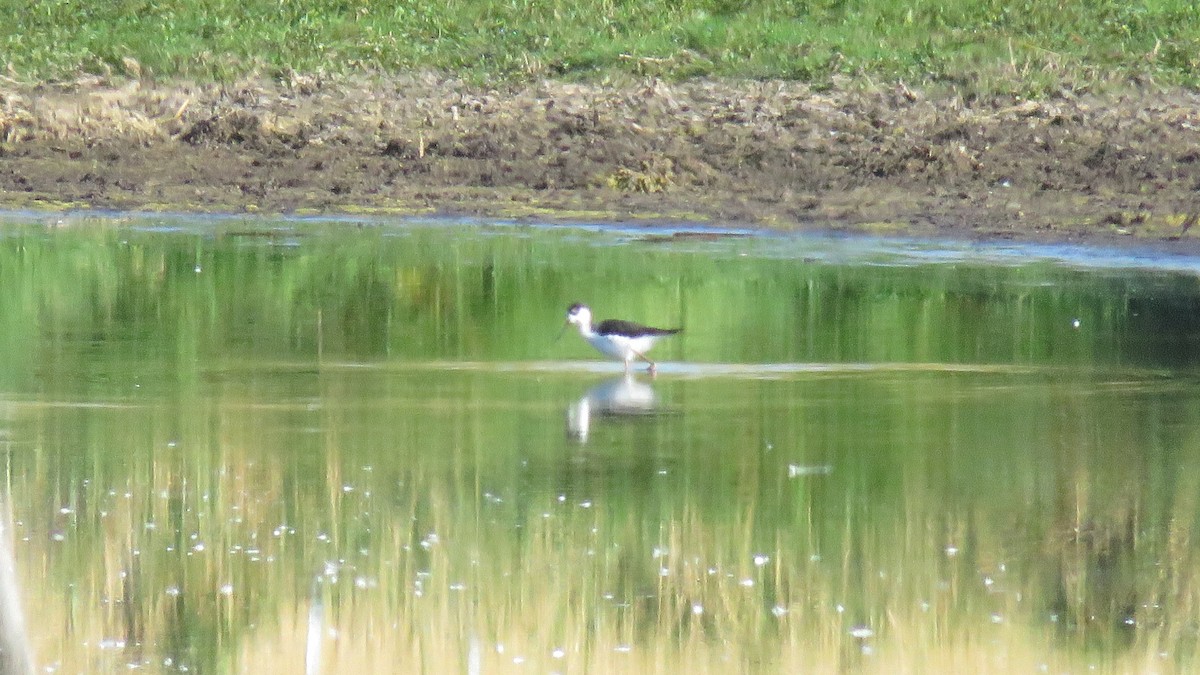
(1116, 168)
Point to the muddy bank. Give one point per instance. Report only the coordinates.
(1120, 167)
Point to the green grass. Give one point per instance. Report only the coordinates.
(993, 44)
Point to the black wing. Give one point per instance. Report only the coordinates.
(631, 329)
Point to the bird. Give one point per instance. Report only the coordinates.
(621, 340)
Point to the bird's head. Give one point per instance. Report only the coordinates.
(579, 315)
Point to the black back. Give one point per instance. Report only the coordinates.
(631, 329)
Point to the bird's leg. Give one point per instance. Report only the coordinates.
(652, 369)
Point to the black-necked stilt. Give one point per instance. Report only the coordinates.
(617, 339)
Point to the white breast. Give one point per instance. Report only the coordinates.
(618, 346)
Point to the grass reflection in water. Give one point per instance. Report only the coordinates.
(348, 452)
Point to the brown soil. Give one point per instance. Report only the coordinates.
(1113, 167)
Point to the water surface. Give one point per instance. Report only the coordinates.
(245, 445)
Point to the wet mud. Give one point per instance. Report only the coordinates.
(1112, 167)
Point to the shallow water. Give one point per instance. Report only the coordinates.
(244, 445)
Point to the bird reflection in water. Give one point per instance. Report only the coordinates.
(619, 397)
